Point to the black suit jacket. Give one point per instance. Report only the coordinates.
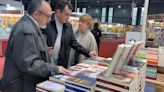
(68, 40)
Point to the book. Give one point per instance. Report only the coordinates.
(40, 90)
(116, 83)
(79, 83)
(68, 90)
(102, 63)
(59, 78)
(76, 88)
(136, 46)
(123, 58)
(101, 59)
(140, 54)
(77, 68)
(51, 86)
(115, 59)
(89, 74)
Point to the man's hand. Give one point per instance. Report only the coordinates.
(93, 53)
(63, 70)
(50, 50)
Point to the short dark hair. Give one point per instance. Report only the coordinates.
(96, 26)
(34, 5)
(62, 3)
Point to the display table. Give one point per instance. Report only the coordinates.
(2, 60)
(108, 46)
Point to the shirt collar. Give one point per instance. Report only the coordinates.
(57, 21)
(33, 20)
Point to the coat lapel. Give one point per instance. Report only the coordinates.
(41, 35)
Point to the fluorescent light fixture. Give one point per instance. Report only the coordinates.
(8, 5)
(119, 6)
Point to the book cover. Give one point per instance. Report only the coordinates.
(115, 59)
(136, 46)
(77, 88)
(84, 83)
(59, 78)
(123, 58)
(51, 86)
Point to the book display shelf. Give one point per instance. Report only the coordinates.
(155, 66)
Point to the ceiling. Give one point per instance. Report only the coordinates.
(105, 3)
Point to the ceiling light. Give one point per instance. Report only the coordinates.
(8, 5)
(119, 6)
(97, 1)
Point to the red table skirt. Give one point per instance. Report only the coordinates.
(3, 45)
(2, 60)
(108, 46)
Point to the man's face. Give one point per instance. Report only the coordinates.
(64, 15)
(44, 18)
(44, 15)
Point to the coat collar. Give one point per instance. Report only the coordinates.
(34, 24)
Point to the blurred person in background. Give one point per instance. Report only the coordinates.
(97, 33)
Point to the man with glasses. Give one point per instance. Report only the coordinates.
(60, 35)
(27, 60)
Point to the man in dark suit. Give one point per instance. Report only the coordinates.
(27, 61)
(60, 35)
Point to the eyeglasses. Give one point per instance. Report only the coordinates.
(66, 14)
(49, 16)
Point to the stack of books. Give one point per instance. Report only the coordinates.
(151, 72)
(117, 83)
(80, 84)
(49, 86)
(161, 57)
(133, 79)
(141, 64)
(124, 73)
(152, 56)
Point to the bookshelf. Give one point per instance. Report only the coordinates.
(155, 82)
(157, 66)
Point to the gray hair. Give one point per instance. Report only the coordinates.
(34, 5)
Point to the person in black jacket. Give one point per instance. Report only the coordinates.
(60, 37)
(97, 33)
